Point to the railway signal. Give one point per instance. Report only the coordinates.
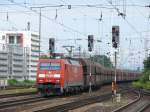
(115, 36)
(51, 46)
(115, 44)
(90, 48)
(90, 42)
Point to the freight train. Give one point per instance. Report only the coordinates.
(61, 76)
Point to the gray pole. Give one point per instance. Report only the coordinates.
(39, 32)
(103, 60)
(115, 80)
(90, 82)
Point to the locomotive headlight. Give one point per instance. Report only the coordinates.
(42, 75)
(56, 75)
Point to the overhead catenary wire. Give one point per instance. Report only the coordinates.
(65, 7)
(61, 24)
(123, 16)
(13, 25)
(78, 5)
(19, 12)
(88, 6)
(119, 13)
(72, 6)
(137, 9)
(69, 7)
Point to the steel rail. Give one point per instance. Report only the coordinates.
(17, 100)
(144, 107)
(17, 94)
(21, 102)
(78, 103)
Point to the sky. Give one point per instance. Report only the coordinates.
(69, 25)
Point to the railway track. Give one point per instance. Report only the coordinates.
(67, 103)
(140, 104)
(20, 102)
(54, 101)
(145, 108)
(79, 103)
(76, 104)
(16, 87)
(17, 94)
(15, 99)
(72, 105)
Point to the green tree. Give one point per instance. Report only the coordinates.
(146, 72)
(102, 59)
(143, 81)
(147, 64)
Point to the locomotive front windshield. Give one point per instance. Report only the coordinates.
(50, 66)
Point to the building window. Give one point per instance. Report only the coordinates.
(3, 37)
(11, 39)
(18, 39)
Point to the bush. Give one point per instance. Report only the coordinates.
(12, 82)
(137, 85)
(25, 83)
(144, 82)
(28, 82)
(145, 77)
(147, 85)
(140, 85)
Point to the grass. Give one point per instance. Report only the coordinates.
(141, 85)
(25, 83)
(14, 91)
(143, 82)
(28, 84)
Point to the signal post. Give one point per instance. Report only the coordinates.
(115, 44)
(90, 49)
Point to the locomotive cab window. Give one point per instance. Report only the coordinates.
(50, 66)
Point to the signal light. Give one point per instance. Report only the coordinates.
(51, 45)
(115, 36)
(115, 45)
(90, 42)
(69, 6)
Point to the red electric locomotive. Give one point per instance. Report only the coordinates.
(57, 76)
